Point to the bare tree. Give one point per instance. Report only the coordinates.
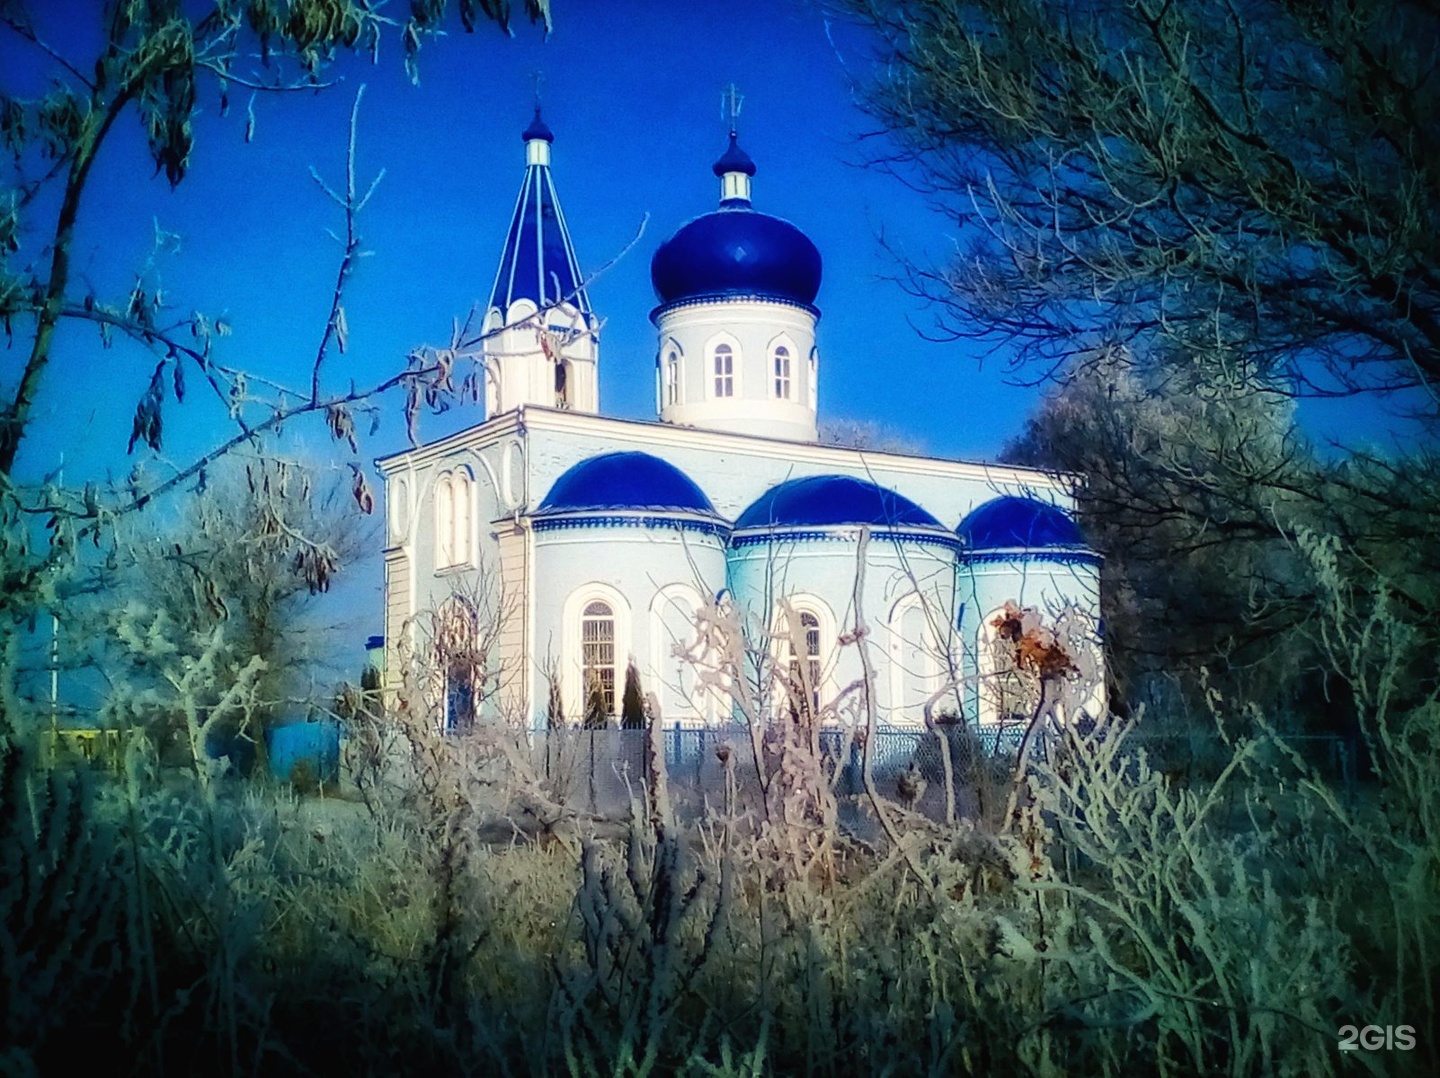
(1195, 493)
(154, 60)
(235, 577)
(1252, 185)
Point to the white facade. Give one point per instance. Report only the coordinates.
(579, 544)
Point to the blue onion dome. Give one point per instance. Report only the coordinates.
(835, 501)
(538, 129)
(623, 482)
(1012, 522)
(734, 159)
(736, 252)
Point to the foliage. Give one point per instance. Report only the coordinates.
(228, 588)
(1251, 189)
(597, 714)
(152, 61)
(157, 61)
(1127, 923)
(1194, 490)
(632, 703)
(865, 434)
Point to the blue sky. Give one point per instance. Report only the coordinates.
(632, 91)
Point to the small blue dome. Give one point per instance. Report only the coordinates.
(537, 129)
(826, 500)
(1011, 522)
(734, 159)
(625, 481)
(737, 252)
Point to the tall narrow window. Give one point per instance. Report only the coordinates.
(672, 378)
(453, 513)
(814, 381)
(782, 372)
(462, 661)
(597, 656)
(802, 667)
(724, 371)
(444, 523)
(916, 663)
(1008, 692)
(460, 485)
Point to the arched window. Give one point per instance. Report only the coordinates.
(460, 484)
(800, 665)
(1008, 695)
(444, 523)
(672, 378)
(814, 379)
(781, 357)
(683, 665)
(917, 663)
(453, 513)
(724, 370)
(562, 383)
(597, 656)
(462, 663)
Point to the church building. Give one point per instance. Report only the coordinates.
(562, 546)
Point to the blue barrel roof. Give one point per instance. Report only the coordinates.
(824, 500)
(1014, 522)
(620, 481)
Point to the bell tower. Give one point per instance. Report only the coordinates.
(541, 335)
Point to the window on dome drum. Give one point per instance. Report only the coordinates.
(672, 378)
(724, 371)
(802, 671)
(782, 373)
(814, 383)
(597, 656)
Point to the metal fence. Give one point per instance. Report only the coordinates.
(602, 772)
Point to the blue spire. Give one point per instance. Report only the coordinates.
(538, 262)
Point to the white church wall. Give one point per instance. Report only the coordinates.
(734, 470)
(1049, 585)
(821, 574)
(629, 568)
(516, 458)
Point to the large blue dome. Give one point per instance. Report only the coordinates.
(1013, 522)
(625, 481)
(737, 252)
(826, 500)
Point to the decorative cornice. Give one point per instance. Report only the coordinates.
(1059, 556)
(658, 521)
(730, 297)
(841, 534)
(639, 433)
